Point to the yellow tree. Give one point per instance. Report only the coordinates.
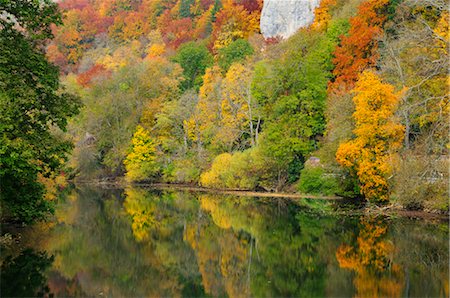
(322, 14)
(204, 123)
(141, 163)
(239, 115)
(377, 136)
(233, 22)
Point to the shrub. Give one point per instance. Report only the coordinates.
(234, 171)
(421, 182)
(182, 171)
(314, 180)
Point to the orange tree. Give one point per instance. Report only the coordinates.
(377, 136)
(357, 50)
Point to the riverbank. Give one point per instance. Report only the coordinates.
(391, 210)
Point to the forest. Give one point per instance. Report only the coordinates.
(189, 92)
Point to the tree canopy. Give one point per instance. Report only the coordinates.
(34, 108)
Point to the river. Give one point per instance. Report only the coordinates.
(138, 242)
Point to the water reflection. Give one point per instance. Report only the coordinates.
(371, 255)
(23, 275)
(136, 242)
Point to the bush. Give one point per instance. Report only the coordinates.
(234, 171)
(182, 171)
(421, 182)
(314, 180)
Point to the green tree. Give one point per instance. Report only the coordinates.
(33, 108)
(185, 8)
(194, 58)
(291, 92)
(234, 52)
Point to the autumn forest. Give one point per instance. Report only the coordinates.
(189, 92)
(172, 148)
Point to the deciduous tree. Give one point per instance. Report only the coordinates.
(34, 108)
(377, 136)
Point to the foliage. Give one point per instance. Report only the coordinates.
(34, 108)
(358, 50)
(292, 92)
(234, 22)
(194, 58)
(314, 180)
(322, 15)
(115, 105)
(140, 163)
(422, 193)
(238, 171)
(419, 62)
(371, 153)
(235, 93)
(236, 51)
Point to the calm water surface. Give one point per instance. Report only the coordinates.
(137, 242)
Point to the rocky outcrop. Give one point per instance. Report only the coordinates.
(284, 17)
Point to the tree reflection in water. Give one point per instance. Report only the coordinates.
(370, 255)
(24, 275)
(137, 242)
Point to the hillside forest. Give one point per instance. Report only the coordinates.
(189, 92)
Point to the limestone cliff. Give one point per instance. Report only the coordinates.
(284, 17)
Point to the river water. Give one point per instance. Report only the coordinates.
(166, 243)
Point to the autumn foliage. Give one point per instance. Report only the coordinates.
(377, 136)
(358, 49)
(85, 78)
(322, 14)
(140, 162)
(223, 107)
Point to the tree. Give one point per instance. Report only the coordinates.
(234, 52)
(415, 55)
(369, 156)
(194, 58)
(115, 106)
(291, 92)
(205, 122)
(233, 22)
(239, 170)
(33, 108)
(241, 119)
(322, 14)
(358, 50)
(141, 163)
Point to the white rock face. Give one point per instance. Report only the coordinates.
(284, 17)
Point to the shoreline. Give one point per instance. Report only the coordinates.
(391, 210)
(195, 188)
